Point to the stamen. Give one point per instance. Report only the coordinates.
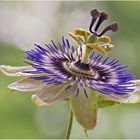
(113, 27)
(103, 16)
(97, 47)
(74, 37)
(95, 14)
(81, 32)
(108, 47)
(104, 39)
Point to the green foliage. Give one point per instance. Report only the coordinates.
(102, 102)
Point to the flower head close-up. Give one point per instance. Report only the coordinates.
(82, 74)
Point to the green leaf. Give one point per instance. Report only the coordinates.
(102, 102)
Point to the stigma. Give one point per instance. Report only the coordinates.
(93, 40)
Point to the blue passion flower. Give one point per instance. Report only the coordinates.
(80, 73)
(55, 66)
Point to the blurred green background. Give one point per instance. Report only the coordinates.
(24, 23)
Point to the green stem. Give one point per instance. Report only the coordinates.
(69, 125)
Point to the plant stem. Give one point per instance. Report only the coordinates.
(69, 125)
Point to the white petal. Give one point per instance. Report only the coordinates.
(137, 82)
(116, 97)
(27, 84)
(52, 93)
(133, 97)
(130, 98)
(15, 71)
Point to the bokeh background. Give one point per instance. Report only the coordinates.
(24, 23)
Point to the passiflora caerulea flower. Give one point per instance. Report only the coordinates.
(82, 74)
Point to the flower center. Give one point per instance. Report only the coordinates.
(80, 70)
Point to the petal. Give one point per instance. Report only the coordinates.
(127, 98)
(137, 83)
(85, 109)
(27, 84)
(133, 97)
(115, 97)
(15, 71)
(52, 93)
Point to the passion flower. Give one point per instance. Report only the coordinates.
(81, 74)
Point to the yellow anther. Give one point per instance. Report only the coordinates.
(108, 47)
(104, 39)
(80, 38)
(75, 38)
(81, 32)
(97, 47)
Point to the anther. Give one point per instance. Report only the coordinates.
(81, 32)
(104, 39)
(97, 47)
(75, 38)
(108, 47)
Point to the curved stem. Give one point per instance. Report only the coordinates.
(69, 125)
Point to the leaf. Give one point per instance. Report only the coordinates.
(102, 102)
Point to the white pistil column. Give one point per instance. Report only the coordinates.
(85, 53)
(86, 50)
